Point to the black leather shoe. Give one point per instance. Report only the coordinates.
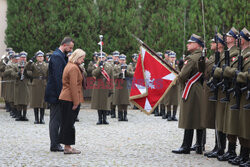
(237, 160)
(215, 154)
(246, 164)
(226, 156)
(193, 148)
(57, 149)
(181, 151)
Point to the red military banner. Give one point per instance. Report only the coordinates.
(151, 82)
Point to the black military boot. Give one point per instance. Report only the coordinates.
(14, 113)
(174, 116)
(156, 111)
(108, 112)
(24, 117)
(163, 113)
(242, 158)
(42, 116)
(125, 116)
(199, 138)
(187, 142)
(104, 114)
(230, 154)
(36, 116)
(215, 149)
(169, 116)
(120, 115)
(221, 145)
(18, 116)
(113, 113)
(7, 107)
(246, 107)
(99, 117)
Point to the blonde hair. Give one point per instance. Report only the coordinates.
(76, 55)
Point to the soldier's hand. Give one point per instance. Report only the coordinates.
(201, 64)
(120, 75)
(100, 63)
(33, 59)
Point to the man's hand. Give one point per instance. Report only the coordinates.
(74, 107)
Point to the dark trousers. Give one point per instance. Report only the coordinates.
(54, 124)
(67, 131)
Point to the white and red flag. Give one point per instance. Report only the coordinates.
(100, 43)
(152, 80)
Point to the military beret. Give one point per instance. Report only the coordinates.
(244, 33)
(116, 53)
(233, 33)
(23, 54)
(159, 54)
(122, 57)
(172, 54)
(197, 39)
(219, 38)
(39, 53)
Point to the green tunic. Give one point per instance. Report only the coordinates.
(191, 108)
(39, 73)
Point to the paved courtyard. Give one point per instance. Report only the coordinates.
(142, 141)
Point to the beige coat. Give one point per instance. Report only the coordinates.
(190, 110)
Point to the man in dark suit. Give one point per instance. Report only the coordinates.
(58, 61)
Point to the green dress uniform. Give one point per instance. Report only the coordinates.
(121, 95)
(222, 107)
(101, 91)
(38, 72)
(231, 117)
(208, 114)
(190, 109)
(21, 93)
(244, 114)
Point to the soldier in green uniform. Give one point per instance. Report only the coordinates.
(130, 79)
(39, 72)
(115, 55)
(191, 104)
(10, 82)
(121, 95)
(4, 61)
(21, 90)
(232, 119)
(91, 67)
(244, 115)
(221, 107)
(102, 88)
(171, 98)
(208, 116)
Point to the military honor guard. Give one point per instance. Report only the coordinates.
(38, 71)
(121, 95)
(21, 89)
(191, 104)
(102, 88)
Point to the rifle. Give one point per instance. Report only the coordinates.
(237, 86)
(247, 106)
(225, 83)
(214, 81)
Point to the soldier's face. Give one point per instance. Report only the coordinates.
(230, 39)
(213, 46)
(191, 46)
(115, 58)
(39, 58)
(101, 58)
(122, 61)
(166, 56)
(21, 59)
(172, 59)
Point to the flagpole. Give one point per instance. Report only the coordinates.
(154, 53)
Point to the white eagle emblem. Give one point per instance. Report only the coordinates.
(149, 82)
